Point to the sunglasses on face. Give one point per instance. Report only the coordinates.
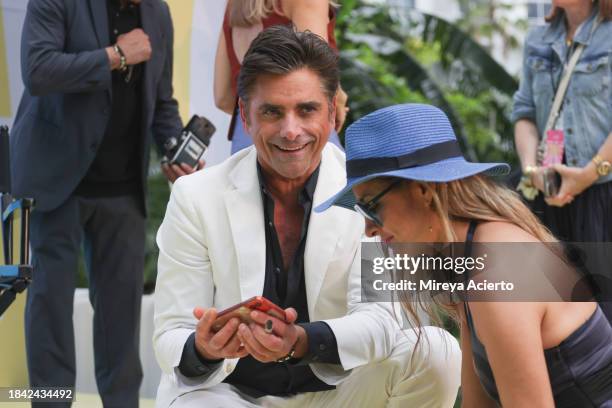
(368, 210)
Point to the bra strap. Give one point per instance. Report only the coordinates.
(470, 237)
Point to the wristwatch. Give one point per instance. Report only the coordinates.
(288, 356)
(602, 166)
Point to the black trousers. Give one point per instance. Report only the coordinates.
(587, 219)
(111, 230)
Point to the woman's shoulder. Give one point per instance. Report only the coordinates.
(502, 231)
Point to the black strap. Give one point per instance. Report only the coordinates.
(469, 238)
(421, 157)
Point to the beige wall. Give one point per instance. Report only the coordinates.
(12, 345)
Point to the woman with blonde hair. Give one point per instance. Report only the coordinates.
(407, 177)
(243, 21)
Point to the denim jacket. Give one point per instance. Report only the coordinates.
(587, 106)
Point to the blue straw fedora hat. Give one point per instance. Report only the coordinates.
(410, 141)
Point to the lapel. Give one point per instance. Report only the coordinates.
(555, 36)
(149, 16)
(245, 212)
(99, 16)
(322, 232)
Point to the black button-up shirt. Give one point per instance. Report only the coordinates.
(286, 288)
(117, 165)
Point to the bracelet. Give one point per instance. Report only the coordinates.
(122, 58)
(530, 170)
(526, 186)
(288, 356)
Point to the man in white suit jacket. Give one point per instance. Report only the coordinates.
(213, 255)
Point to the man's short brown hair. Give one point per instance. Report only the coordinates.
(280, 50)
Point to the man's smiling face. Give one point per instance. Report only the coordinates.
(289, 118)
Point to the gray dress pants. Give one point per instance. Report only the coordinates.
(111, 230)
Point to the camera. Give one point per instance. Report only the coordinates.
(191, 144)
(551, 181)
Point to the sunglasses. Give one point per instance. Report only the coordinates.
(368, 210)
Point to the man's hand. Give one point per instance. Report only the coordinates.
(174, 171)
(136, 46)
(269, 347)
(574, 180)
(214, 346)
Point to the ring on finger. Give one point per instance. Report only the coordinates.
(268, 327)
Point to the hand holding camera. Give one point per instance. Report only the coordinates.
(256, 326)
(183, 153)
(269, 339)
(573, 181)
(217, 345)
(217, 332)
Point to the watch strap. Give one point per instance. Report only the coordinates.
(288, 356)
(601, 166)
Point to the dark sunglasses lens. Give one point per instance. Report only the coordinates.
(367, 214)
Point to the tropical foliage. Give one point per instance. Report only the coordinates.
(391, 55)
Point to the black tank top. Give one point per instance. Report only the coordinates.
(580, 368)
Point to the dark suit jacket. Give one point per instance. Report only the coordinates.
(66, 103)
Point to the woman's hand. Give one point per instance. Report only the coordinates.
(537, 178)
(574, 180)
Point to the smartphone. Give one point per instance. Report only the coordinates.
(243, 311)
(552, 182)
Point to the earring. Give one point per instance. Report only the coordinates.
(430, 228)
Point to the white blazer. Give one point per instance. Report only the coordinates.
(212, 254)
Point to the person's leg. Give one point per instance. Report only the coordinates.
(220, 396)
(55, 240)
(114, 253)
(426, 376)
